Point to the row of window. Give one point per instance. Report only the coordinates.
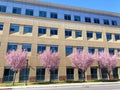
(30, 12)
(40, 74)
(54, 31)
(68, 49)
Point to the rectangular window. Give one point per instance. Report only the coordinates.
(42, 13)
(76, 18)
(70, 73)
(40, 74)
(87, 19)
(69, 50)
(53, 31)
(29, 12)
(53, 15)
(93, 72)
(12, 46)
(79, 48)
(106, 22)
(104, 73)
(114, 23)
(1, 26)
(24, 74)
(41, 48)
(26, 47)
(81, 75)
(115, 73)
(14, 28)
(108, 36)
(96, 20)
(2, 8)
(98, 35)
(54, 74)
(117, 36)
(41, 30)
(67, 17)
(8, 75)
(68, 33)
(78, 33)
(89, 34)
(54, 48)
(91, 50)
(100, 50)
(16, 10)
(111, 51)
(118, 50)
(27, 29)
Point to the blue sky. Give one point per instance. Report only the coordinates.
(106, 5)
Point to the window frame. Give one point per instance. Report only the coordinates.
(67, 17)
(28, 29)
(29, 12)
(27, 47)
(53, 31)
(17, 10)
(53, 15)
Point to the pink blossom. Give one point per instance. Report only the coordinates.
(81, 59)
(16, 59)
(49, 59)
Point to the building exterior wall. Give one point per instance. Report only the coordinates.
(60, 39)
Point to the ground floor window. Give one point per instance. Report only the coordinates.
(94, 73)
(8, 74)
(81, 75)
(70, 73)
(104, 73)
(115, 73)
(54, 74)
(24, 74)
(40, 74)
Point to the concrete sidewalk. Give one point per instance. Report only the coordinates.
(62, 85)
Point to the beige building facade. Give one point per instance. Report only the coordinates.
(19, 30)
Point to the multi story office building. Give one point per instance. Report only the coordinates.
(35, 26)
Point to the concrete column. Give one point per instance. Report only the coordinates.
(118, 73)
(32, 76)
(48, 32)
(47, 75)
(21, 29)
(76, 74)
(1, 74)
(113, 37)
(104, 36)
(73, 34)
(94, 36)
(84, 35)
(17, 77)
(88, 74)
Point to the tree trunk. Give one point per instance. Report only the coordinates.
(109, 78)
(14, 78)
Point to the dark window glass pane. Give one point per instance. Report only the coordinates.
(106, 22)
(111, 51)
(29, 12)
(79, 48)
(69, 50)
(100, 50)
(43, 14)
(14, 28)
(26, 47)
(2, 8)
(16, 10)
(68, 33)
(108, 36)
(12, 46)
(115, 73)
(104, 73)
(53, 31)
(27, 29)
(40, 74)
(87, 19)
(70, 73)
(24, 74)
(54, 74)
(117, 36)
(89, 34)
(41, 48)
(54, 15)
(1, 26)
(54, 48)
(76, 18)
(93, 72)
(114, 23)
(67, 17)
(96, 20)
(91, 50)
(98, 35)
(78, 33)
(81, 75)
(42, 30)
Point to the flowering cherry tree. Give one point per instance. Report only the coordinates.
(107, 61)
(17, 60)
(49, 59)
(81, 60)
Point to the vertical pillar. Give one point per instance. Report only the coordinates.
(17, 77)
(113, 37)
(48, 32)
(76, 74)
(32, 74)
(88, 75)
(21, 29)
(47, 75)
(118, 73)
(1, 74)
(73, 34)
(94, 36)
(84, 35)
